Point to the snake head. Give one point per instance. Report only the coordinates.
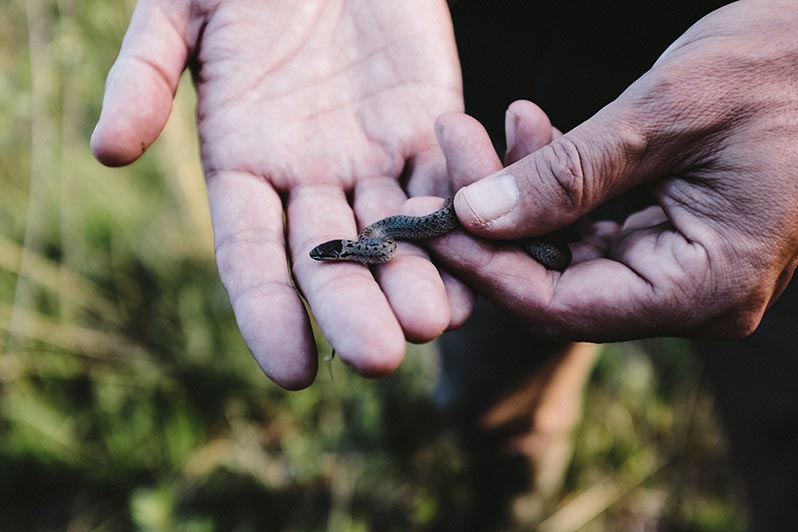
(331, 250)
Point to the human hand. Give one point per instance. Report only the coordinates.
(303, 106)
(711, 131)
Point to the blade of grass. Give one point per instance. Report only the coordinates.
(586, 506)
(55, 277)
(178, 160)
(42, 139)
(77, 339)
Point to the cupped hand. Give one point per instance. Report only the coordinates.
(711, 130)
(308, 112)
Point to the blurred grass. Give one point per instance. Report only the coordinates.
(129, 402)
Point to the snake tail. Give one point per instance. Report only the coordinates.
(552, 255)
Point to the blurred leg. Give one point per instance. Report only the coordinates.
(552, 400)
(516, 399)
(756, 385)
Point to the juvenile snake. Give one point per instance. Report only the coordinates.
(377, 242)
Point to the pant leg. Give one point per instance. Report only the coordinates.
(755, 382)
(515, 399)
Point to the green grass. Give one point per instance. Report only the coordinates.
(129, 402)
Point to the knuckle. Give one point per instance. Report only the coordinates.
(562, 170)
(250, 297)
(235, 251)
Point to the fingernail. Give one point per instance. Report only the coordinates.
(493, 197)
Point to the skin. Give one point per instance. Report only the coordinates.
(376, 244)
(296, 118)
(310, 111)
(711, 130)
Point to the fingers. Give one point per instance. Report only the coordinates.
(461, 300)
(410, 281)
(469, 156)
(597, 238)
(346, 300)
(596, 300)
(527, 129)
(564, 180)
(142, 82)
(468, 149)
(247, 217)
(429, 178)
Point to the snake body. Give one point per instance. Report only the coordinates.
(376, 244)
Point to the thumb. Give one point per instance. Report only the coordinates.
(142, 82)
(561, 182)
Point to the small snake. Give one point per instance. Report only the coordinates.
(377, 242)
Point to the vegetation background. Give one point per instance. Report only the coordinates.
(128, 400)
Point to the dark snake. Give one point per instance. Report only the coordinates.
(376, 244)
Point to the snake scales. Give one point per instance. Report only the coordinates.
(377, 242)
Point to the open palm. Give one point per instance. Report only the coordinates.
(309, 113)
